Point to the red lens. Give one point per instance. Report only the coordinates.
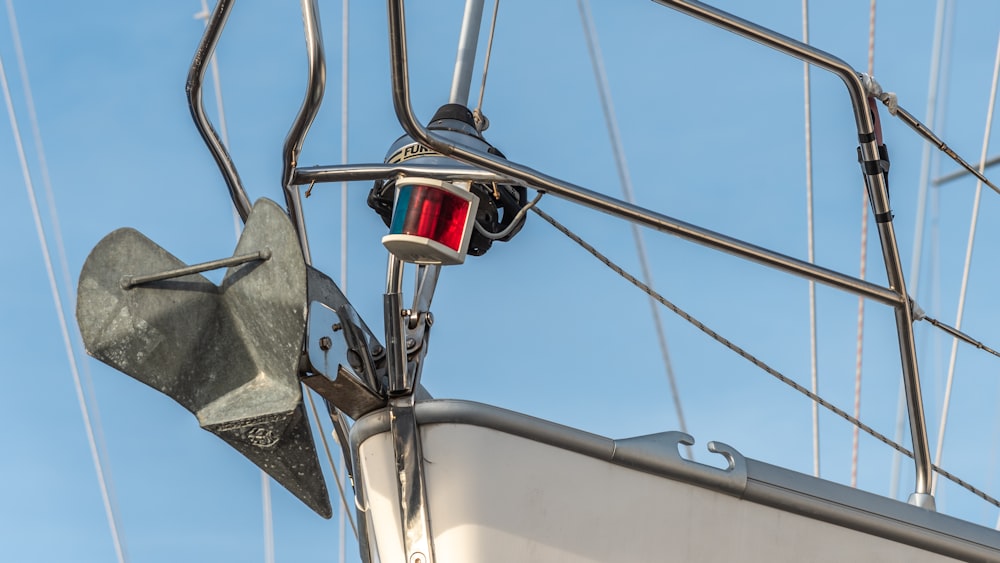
(430, 212)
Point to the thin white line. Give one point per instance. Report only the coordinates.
(973, 223)
(344, 116)
(329, 456)
(813, 355)
(265, 490)
(344, 129)
(90, 395)
(64, 328)
(862, 272)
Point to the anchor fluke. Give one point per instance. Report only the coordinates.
(229, 354)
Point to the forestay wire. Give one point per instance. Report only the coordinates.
(753, 359)
(89, 422)
(103, 481)
(594, 50)
(810, 241)
(862, 269)
(973, 223)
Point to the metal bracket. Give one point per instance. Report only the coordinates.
(658, 453)
(404, 361)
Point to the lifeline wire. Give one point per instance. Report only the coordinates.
(862, 271)
(594, 49)
(265, 483)
(71, 356)
(973, 223)
(813, 354)
(754, 360)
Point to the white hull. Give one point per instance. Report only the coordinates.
(505, 487)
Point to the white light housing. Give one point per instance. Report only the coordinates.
(432, 222)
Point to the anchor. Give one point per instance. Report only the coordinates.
(230, 354)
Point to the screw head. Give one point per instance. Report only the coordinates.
(325, 343)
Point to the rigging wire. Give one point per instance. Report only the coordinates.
(810, 241)
(973, 224)
(931, 119)
(344, 91)
(103, 479)
(265, 482)
(596, 60)
(329, 457)
(753, 359)
(862, 272)
(477, 114)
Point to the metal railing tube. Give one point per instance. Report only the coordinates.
(878, 190)
(195, 79)
(518, 173)
(365, 172)
(307, 113)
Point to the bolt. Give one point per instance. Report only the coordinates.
(429, 319)
(406, 313)
(325, 343)
(377, 350)
(410, 343)
(337, 327)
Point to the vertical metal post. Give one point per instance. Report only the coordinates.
(468, 39)
(403, 425)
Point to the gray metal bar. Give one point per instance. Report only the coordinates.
(895, 296)
(130, 281)
(365, 172)
(196, 76)
(922, 130)
(395, 332)
(465, 60)
(307, 113)
(412, 489)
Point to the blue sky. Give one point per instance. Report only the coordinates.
(712, 128)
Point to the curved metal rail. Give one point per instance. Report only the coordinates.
(895, 295)
(195, 79)
(315, 88)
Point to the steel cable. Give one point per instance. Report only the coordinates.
(973, 224)
(751, 358)
(611, 121)
(91, 420)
